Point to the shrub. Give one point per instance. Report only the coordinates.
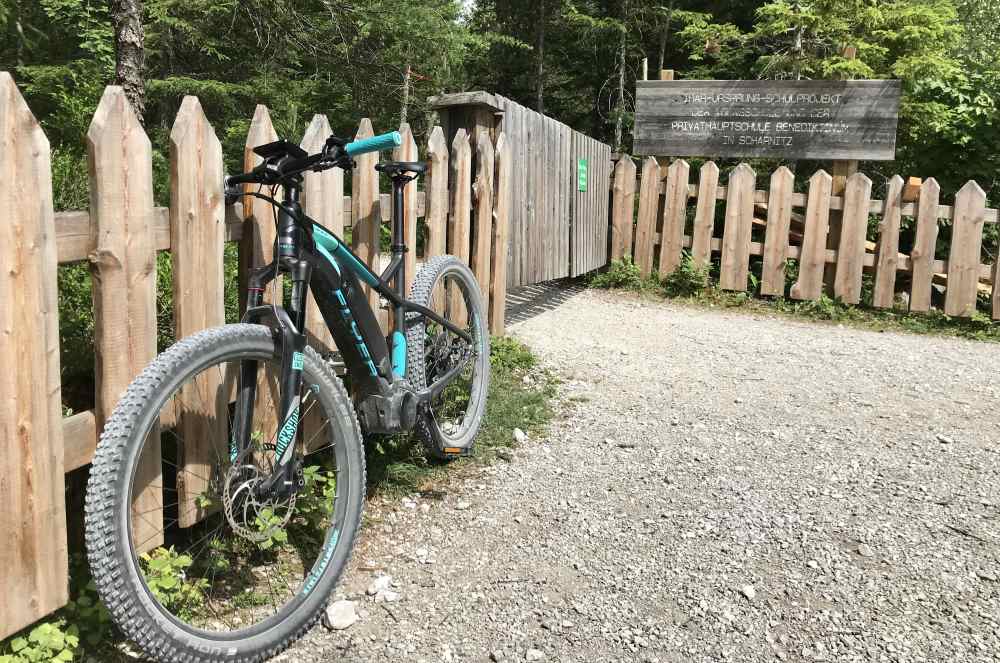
(688, 280)
(620, 274)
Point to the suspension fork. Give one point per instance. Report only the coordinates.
(287, 326)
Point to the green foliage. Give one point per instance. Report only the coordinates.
(48, 641)
(687, 280)
(269, 525)
(316, 500)
(621, 273)
(509, 355)
(164, 571)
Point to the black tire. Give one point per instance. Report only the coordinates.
(435, 276)
(115, 565)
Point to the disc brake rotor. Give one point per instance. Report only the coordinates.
(250, 517)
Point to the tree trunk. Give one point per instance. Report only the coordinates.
(130, 54)
(620, 119)
(406, 96)
(540, 52)
(664, 34)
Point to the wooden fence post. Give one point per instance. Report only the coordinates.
(887, 250)
(649, 203)
(408, 152)
(481, 254)
(366, 233)
(123, 267)
(323, 200)
(197, 235)
(924, 246)
(735, 263)
(674, 217)
(966, 248)
(853, 236)
(257, 245)
(461, 209)
(623, 208)
(813, 257)
(33, 555)
(779, 220)
(704, 216)
(501, 229)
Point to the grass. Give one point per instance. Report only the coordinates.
(396, 465)
(692, 285)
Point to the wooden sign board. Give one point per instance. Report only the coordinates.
(784, 119)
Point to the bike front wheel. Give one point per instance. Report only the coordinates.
(192, 562)
(449, 424)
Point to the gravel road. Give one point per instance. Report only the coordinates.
(718, 487)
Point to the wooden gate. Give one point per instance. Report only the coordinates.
(556, 230)
(589, 227)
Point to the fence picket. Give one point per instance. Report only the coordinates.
(34, 559)
(924, 246)
(853, 235)
(366, 219)
(887, 250)
(461, 209)
(813, 255)
(704, 216)
(735, 263)
(779, 220)
(408, 152)
(966, 247)
(323, 200)
(623, 208)
(649, 203)
(197, 235)
(501, 230)
(123, 268)
(257, 246)
(674, 216)
(436, 186)
(485, 163)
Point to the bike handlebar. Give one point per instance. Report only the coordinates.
(335, 153)
(375, 144)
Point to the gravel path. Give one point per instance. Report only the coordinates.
(717, 487)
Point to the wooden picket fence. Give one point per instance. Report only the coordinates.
(677, 215)
(465, 214)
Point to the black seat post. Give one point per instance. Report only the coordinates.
(399, 248)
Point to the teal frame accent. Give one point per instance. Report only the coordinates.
(331, 247)
(398, 354)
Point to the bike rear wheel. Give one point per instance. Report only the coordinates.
(192, 563)
(450, 425)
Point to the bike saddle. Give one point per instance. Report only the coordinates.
(397, 167)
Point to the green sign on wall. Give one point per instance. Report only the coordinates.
(581, 174)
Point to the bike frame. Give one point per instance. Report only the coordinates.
(316, 259)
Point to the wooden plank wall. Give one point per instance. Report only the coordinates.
(120, 235)
(962, 274)
(546, 209)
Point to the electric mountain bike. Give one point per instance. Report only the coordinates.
(227, 488)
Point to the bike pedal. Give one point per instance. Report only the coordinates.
(456, 452)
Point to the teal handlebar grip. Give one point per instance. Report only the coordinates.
(374, 144)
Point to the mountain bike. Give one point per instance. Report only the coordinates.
(227, 487)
